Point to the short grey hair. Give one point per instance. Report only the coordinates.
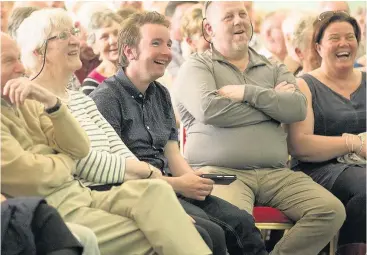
(100, 20)
(35, 29)
(301, 29)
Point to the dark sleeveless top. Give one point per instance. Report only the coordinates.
(334, 115)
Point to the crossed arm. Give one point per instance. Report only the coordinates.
(238, 105)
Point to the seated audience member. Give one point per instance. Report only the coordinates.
(82, 15)
(124, 13)
(174, 12)
(325, 6)
(103, 30)
(136, 5)
(140, 110)
(272, 36)
(109, 162)
(41, 140)
(255, 17)
(361, 54)
(300, 44)
(287, 29)
(232, 102)
(16, 18)
(336, 102)
(30, 226)
(5, 10)
(191, 29)
(337, 6)
(40, 4)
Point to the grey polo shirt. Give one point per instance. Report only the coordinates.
(240, 135)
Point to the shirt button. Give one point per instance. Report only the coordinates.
(147, 127)
(140, 95)
(154, 147)
(132, 96)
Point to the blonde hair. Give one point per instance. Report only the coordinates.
(36, 29)
(130, 32)
(191, 23)
(302, 28)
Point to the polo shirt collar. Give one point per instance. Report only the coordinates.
(126, 83)
(254, 58)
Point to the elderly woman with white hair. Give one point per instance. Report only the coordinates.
(109, 160)
(103, 31)
(50, 52)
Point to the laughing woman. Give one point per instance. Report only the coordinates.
(102, 37)
(328, 144)
(52, 64)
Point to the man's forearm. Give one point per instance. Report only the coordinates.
(285, 107)
(173, 181)
(178, 165)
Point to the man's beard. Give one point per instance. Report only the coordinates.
(240, 46)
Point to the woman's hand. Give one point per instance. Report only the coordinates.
(355, 144)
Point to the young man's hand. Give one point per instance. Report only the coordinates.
(191, 185)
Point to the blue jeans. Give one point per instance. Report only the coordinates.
(241, 234)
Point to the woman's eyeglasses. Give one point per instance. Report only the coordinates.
(65, 34)
(329, 14)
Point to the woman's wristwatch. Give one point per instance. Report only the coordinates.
(54, 108)
(151, 169)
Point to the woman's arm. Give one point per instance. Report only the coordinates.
(305, 146)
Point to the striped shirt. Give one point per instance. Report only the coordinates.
(92, 81)
(105, 163)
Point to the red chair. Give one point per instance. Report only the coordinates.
(269, 218)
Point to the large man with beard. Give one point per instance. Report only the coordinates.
(232, 102)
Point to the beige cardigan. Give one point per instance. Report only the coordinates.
(38, 150)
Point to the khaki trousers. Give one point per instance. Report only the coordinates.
(318, 214)
(138, 217)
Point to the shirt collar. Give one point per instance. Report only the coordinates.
(131, 88)
(254, 58)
